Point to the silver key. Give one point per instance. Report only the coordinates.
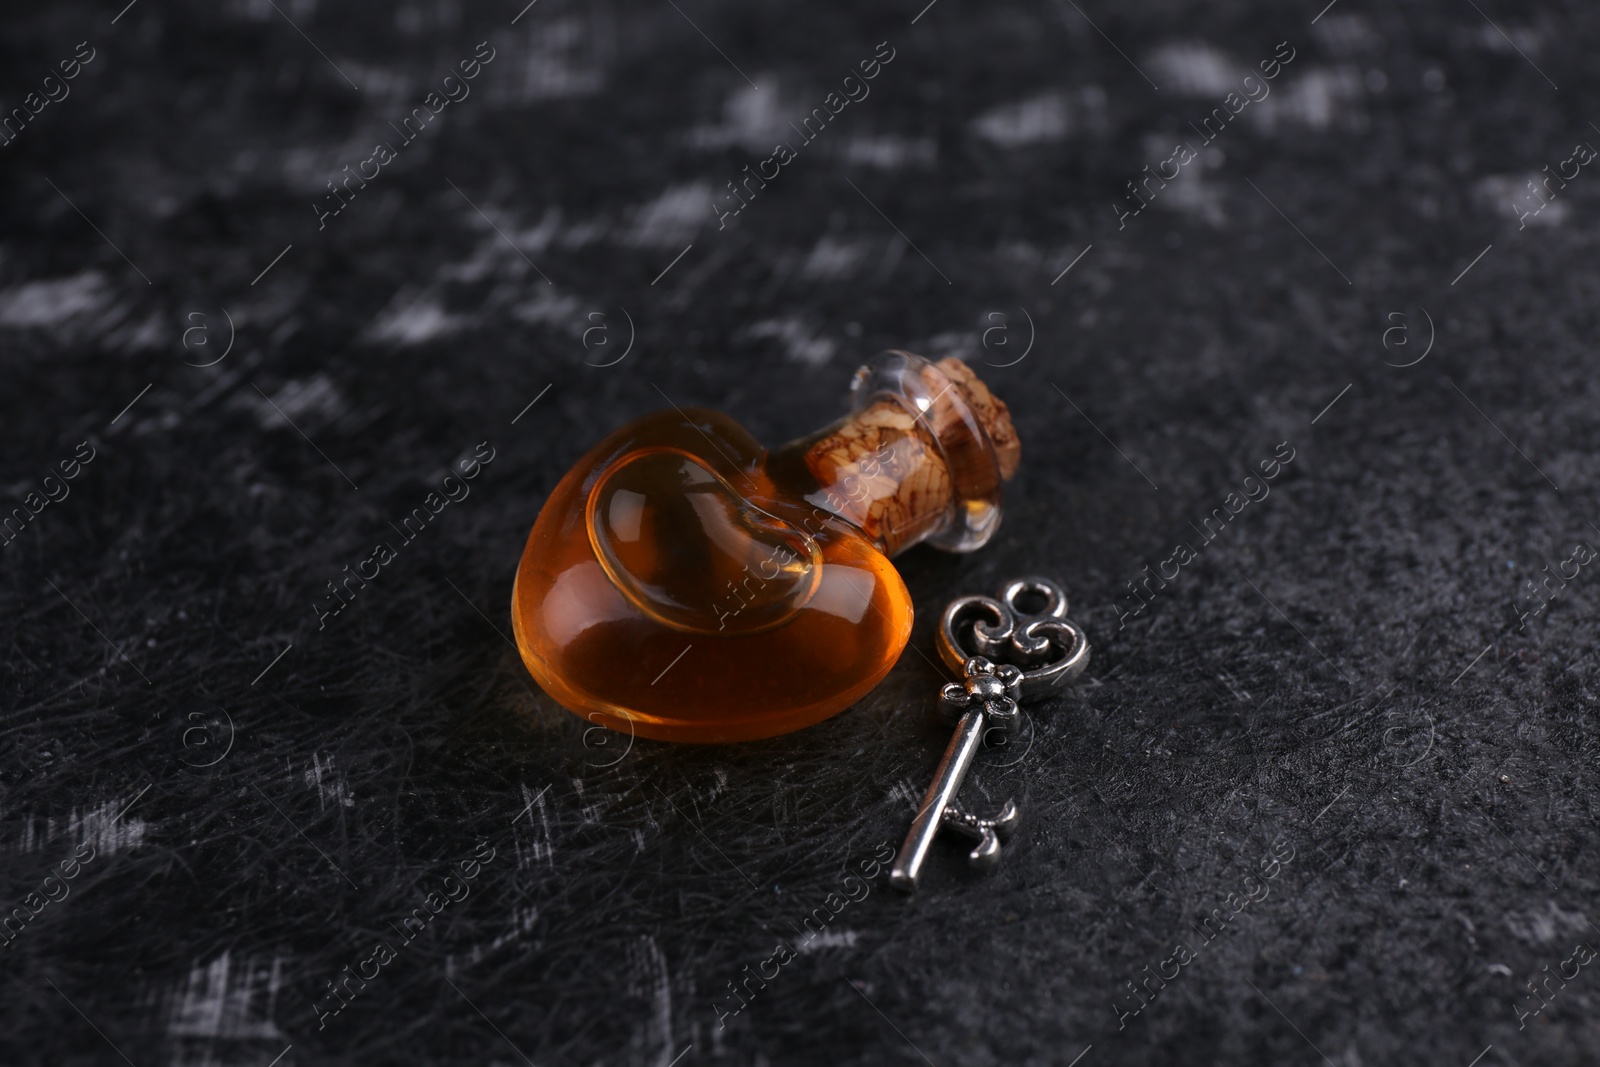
(1039, 650)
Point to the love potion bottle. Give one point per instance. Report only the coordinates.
(684, 583)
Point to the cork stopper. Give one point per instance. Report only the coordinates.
(921, 458)
(991, 412)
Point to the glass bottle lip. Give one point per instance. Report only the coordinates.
(965, 443)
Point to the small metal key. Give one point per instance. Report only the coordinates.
(1038, 650)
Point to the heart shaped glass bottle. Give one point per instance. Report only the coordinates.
(683, 583)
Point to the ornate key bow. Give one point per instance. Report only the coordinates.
(1039, 650)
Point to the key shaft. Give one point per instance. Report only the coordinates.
(941, 794)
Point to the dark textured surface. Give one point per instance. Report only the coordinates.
(1341, 673)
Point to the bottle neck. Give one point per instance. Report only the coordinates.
(921, 458)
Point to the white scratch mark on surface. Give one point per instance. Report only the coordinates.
(959, 343)
(219, 1000)
(412, 318)
(673, 217)
(330, 785)
(1517, 40)
(828, 939)
(831, 258)
(751, 118)
(906, 793)
(1510, 196)
(1192, 194)
(55, 302)
(1039, 119)
(1196, 69)
(799, 344)
(537, 850)
(522, 923)
(1541, 925)
(505, 244)
(560, 59)
(548, 307)
(1316, 98)
(98, 827)
(151, 332)
(888, 151)
(648, 978)
(307, 402)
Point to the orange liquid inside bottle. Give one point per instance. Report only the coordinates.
(683, 583)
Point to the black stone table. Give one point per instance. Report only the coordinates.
(269, 268)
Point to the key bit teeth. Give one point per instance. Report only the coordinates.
(987, 854)
(989, 833)
(1007, 821)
